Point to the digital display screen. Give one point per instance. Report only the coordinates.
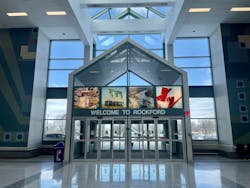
(169, 97)
(114, 97)
(86, 98)
(141, 97)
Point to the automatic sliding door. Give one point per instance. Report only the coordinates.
(136, 142)
(164, 146)
(79, 139)
(119, 139)
(92, 139)
(177, 138)
(106, 143)
(149, 141)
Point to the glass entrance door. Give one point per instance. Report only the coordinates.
(132, 139)
(100, 139)
(142, 140)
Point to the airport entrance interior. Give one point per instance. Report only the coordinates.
(128, 122)
(129, 139)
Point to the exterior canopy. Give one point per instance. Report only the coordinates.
(125, 57)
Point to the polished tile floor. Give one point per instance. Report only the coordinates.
(205, 172)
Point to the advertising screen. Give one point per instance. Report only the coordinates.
(169, 97)
(114, 97)
(141, 97)
(86, 98)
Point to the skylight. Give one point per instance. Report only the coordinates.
(129, 13)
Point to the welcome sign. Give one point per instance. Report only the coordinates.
(127, 101)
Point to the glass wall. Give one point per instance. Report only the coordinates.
(152, 42)
(203, 121)
(65, 56)
(193, 56)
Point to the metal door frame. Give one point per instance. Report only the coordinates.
(87, 124)
(128, 149)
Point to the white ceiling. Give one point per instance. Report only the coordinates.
(57, 27)
(204, 24)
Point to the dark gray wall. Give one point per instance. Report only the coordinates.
(17, 64)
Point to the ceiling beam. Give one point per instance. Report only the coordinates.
(125, 3)
(83, 22)
(129, 26)
(172, 18)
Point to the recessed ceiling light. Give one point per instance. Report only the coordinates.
(240, 9)
(56, 13)
(94, 72)
(199, 10)
(17, 14)
(165, 70)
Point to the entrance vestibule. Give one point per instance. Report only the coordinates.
(128, 139)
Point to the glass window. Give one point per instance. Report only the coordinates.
(65, 57)
(136, 80)
(104, 42)
(121, 81)
(58, 78)
(202, 107)
(204, 129)
(56, 108)
(55, 119)
(65, 64)
(191, 47)
(54, 130)
(66, 49)
(192, 62)
(158, 52)
(199, 76)
(149, 41)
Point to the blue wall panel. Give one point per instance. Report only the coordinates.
(17, 64)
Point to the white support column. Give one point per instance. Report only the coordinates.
(187, 121)
(221, 93)
(169, 52)
(88, 54)
(83, 22)
(39, 92)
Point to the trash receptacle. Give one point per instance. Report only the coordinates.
(59, 152)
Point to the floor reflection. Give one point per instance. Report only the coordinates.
(131, 173)
(126, 175)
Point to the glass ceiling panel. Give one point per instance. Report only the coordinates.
(163, 10)
(140, 10)
(94, 11)
(153, 15)
(104, 16)
(128, 13)
(115, 12)
(128, 17)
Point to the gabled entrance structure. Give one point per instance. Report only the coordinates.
(128, 123)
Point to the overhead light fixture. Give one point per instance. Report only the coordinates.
(94, 72)
(165, 70)
(17, 14)
(56, 13)
(199, 10)
(240, 9)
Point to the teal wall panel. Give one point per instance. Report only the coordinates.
(17, 65)
(236, 47)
